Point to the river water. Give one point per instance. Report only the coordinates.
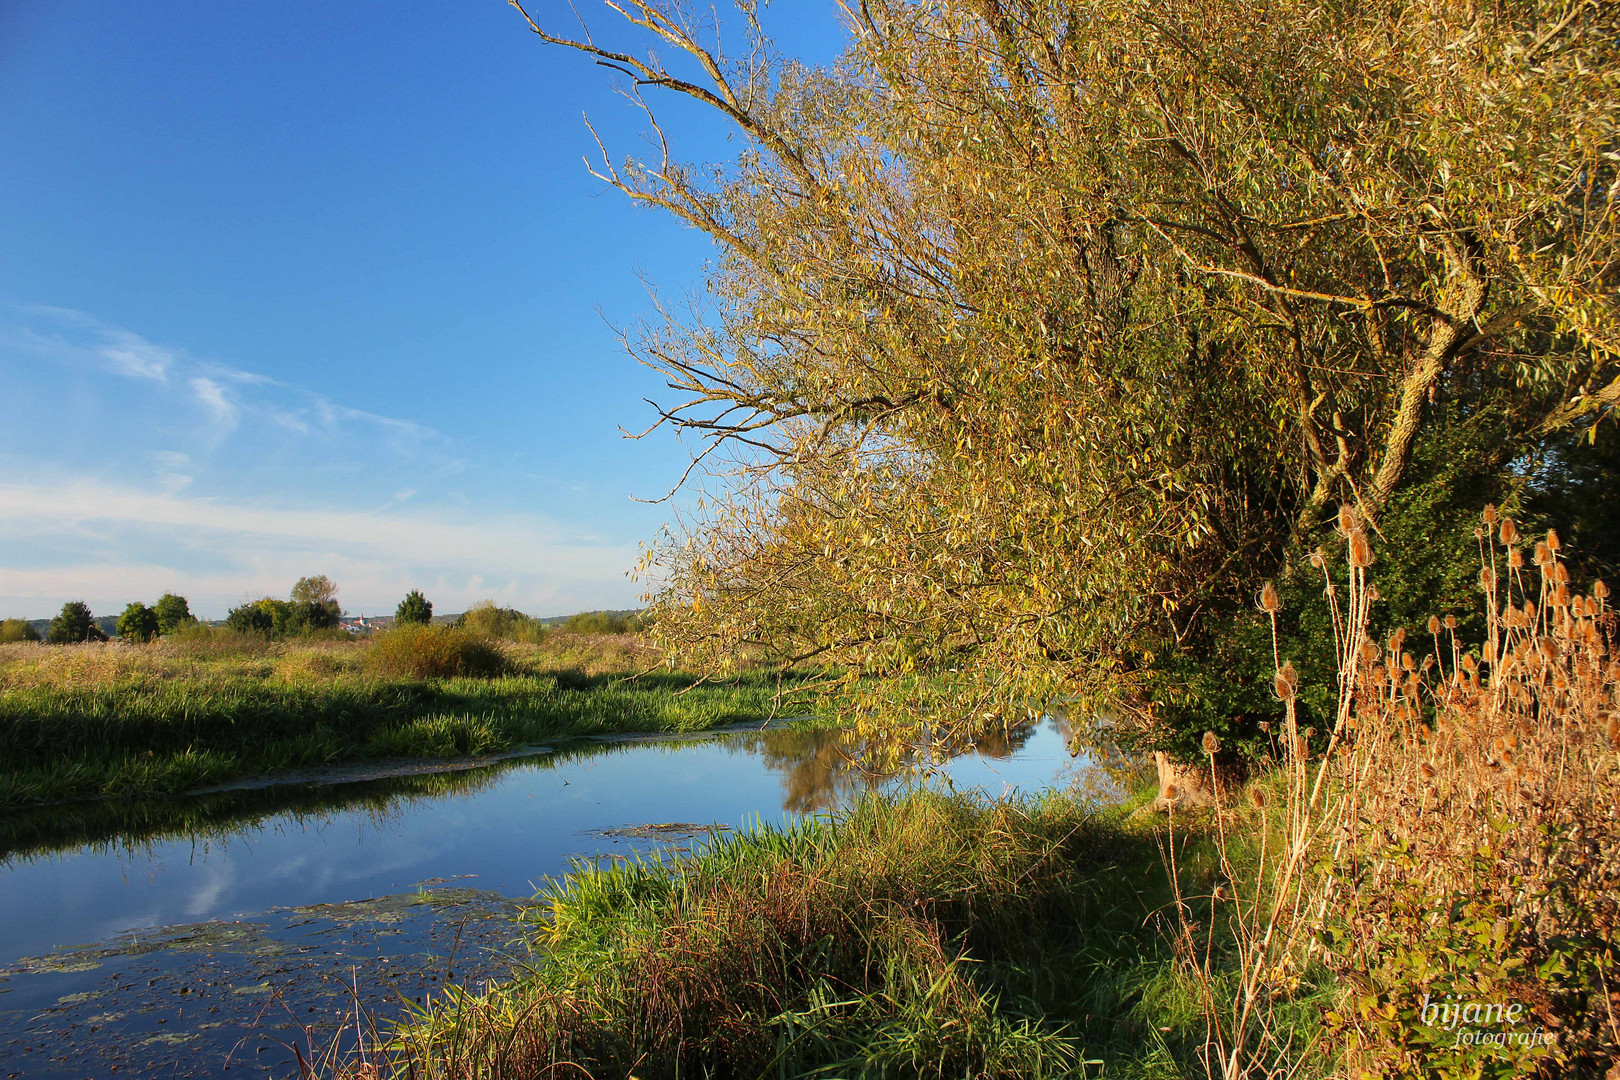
(233, 933)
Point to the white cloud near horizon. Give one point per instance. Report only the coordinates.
(117, 543)
(192, 475)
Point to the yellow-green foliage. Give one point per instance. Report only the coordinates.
(17, 630)
(501, 623)
(417, 651)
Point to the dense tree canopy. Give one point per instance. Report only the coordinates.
(173, 612)
(415, 608)
(73, 624)
(1043, 331)
(280, 618)
(138, 623)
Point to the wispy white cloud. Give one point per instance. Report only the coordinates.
(173, 469)
(206, 407)
(118, 542)
(218, 482)
(132, 355)
(222, 412)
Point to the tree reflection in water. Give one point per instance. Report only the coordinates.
(825, 768)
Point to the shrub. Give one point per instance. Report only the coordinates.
(74, 624)
(416, 651)
(138, 623)
(603, 622)
(17, 630)
(280, 618)
(503, 623)
(256, 616)
(415, 608)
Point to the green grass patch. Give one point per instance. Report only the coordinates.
(94, 721)
(925, 936)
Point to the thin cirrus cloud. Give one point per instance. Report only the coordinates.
(223, 483)
(199, 404)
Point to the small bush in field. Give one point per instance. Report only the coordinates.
(415, 651)
(501, 623)
(18, 630)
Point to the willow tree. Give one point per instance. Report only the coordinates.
(1043, 330)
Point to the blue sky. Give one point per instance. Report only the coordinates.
(316, 287)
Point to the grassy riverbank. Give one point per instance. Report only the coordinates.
(928, 936)
(1434, 893)
(91, 721)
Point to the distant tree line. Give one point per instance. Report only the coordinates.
(311, 607)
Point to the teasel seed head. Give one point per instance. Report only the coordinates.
(1489, 515)
(1509, 533)
(1369, 651)
(1318, 559)
(1171, 792)
(1434, 626)
(1361, 555)
(1516, 558)
(1543, 553)
(1560, 595)
(1221, 894)
(1347, 521)
(1451, 622)
(1265, 725)
(1373, 593)
(1269, 603)
(1302, 748)
(1553, 543)
(1408, 662)
(1600, 590)
(1561, 573)
(1487, 579)
(1257, 797)
(1211, 743)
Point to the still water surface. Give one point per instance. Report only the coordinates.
(215, 934)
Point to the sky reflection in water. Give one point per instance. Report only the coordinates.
(498, 830)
